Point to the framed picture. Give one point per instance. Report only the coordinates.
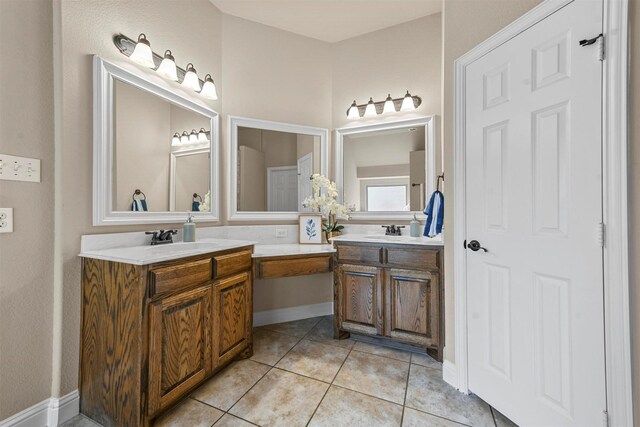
(310, 229)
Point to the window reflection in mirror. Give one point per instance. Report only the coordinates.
(274, 169)
(145, 158)
(384, 171)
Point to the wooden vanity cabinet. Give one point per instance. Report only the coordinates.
(393, 292)
(153, 333)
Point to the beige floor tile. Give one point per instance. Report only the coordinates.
(190, 413)
(315, 360)
(80, 421)
(374, 375)
(413, 418)
(341, 407)
(501, 420)
(425, 360)
(429, 393)
(269, 347)
(379, 350)
(296, 328)
(228, 386)
(231, 421)
(281, 398)
(323, 332)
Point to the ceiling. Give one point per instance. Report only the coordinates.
(329, 20)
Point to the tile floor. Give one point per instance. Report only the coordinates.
(300, 376)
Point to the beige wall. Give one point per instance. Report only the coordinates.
(26, 261)
(191, 176)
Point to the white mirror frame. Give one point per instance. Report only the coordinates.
(104, 72)
(429, 124)
(172, 171)
(234, 124)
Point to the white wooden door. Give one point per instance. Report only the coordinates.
(282, 189)
(534, 201)
(305, 170)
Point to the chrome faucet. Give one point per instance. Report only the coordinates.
(161, 237)
(393, 230)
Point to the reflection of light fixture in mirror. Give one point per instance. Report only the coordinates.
(202, 135)
(142, 54)
(209, 88)
(175, 140)
(407, 103)
(353, 112)
(167, 68)
(193, 137)
(191, 78)
(370, 111)
(389, 106)
(184, 139)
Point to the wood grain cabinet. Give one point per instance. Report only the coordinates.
(392, 292)
(153, 333)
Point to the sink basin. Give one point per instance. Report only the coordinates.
(183, 246)
(391, 238)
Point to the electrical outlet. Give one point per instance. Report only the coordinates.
(281, 232)
(13, 168)
(6, 220)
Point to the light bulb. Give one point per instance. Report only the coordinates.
(353, 112)
(202, 136)
(407, 103)
(191, 78)
(142, 53)
(167, 68)
(184, 138)
(209, 88)
(389, 106)
(370, 111)
(193, 137)
(175, 140)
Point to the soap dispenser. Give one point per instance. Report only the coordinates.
(414, 227)
(189, 230)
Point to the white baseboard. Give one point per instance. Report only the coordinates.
(292, 313)
(50, 412)
(450, 373)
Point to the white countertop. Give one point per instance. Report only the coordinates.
(402, 240)
(262, 251)
(142, 255)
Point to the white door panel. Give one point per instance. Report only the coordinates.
(534, 200)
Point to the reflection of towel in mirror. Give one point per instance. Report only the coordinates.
(435, 215)
(195, 205)
(139, 205)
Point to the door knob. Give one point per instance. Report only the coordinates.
(474, 245)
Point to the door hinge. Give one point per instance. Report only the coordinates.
(605, 419)
(600, 234)
(600, 45)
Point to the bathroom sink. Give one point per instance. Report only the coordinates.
(183, 246)
(391, 238)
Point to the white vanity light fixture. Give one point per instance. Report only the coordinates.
(389, 105)
(209, 88)
(142, 53)
(175, 140)
(193, 136)
(353, 112)
(184, 138)
(191, 80)
(167, 68)
(202, 135)
(370, 111)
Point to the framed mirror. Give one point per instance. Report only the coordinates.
(386, 171)
(155, 151)
(271, 165)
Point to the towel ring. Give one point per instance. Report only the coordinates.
(197, 196)
(440, 177)
(137, 193)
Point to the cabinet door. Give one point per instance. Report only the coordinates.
(412, 306)
(233, 317)
(179, 345)
(359, 298)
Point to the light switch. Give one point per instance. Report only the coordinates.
(13, 168)
(6, 220)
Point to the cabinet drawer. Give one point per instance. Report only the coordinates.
(237, 262)
(421, 259)
(176, 277)
(360, 254)
(293, 267)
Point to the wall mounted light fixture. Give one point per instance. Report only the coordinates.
(389, 105)
(190, 138)
(141, 53)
